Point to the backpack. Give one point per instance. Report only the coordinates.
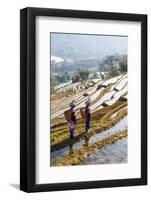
(82, 112)
(67, 115)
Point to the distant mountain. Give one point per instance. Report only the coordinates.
(76, 46)
(70, 52)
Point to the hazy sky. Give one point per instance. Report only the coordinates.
(79, 46)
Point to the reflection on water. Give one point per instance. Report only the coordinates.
(113, 153)
(121, 126)
(104, 155)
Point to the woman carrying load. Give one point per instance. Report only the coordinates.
(72, 122)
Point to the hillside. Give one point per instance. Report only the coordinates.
(108, 124)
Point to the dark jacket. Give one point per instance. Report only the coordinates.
(73, 115)
(87, 114)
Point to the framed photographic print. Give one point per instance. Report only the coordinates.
(83, 99)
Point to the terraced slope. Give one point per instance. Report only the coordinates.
(108, 108)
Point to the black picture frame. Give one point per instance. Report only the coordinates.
(28, 99)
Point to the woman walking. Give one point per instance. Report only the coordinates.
(72, 122)
(87, 115)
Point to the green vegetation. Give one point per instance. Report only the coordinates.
(81, 75)
(58, 79)
(114, 65)
(123, 63)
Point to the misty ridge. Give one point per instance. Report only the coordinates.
(71, 52)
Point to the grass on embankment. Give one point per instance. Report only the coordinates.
(100, 121)
(77, 156)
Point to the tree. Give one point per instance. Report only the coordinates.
(102, 76)
(53, 81)
(76, 78)
(110, 65)
(83, 73)
(66, 76)
(123, 63)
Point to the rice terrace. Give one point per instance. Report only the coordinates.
(88, 100)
